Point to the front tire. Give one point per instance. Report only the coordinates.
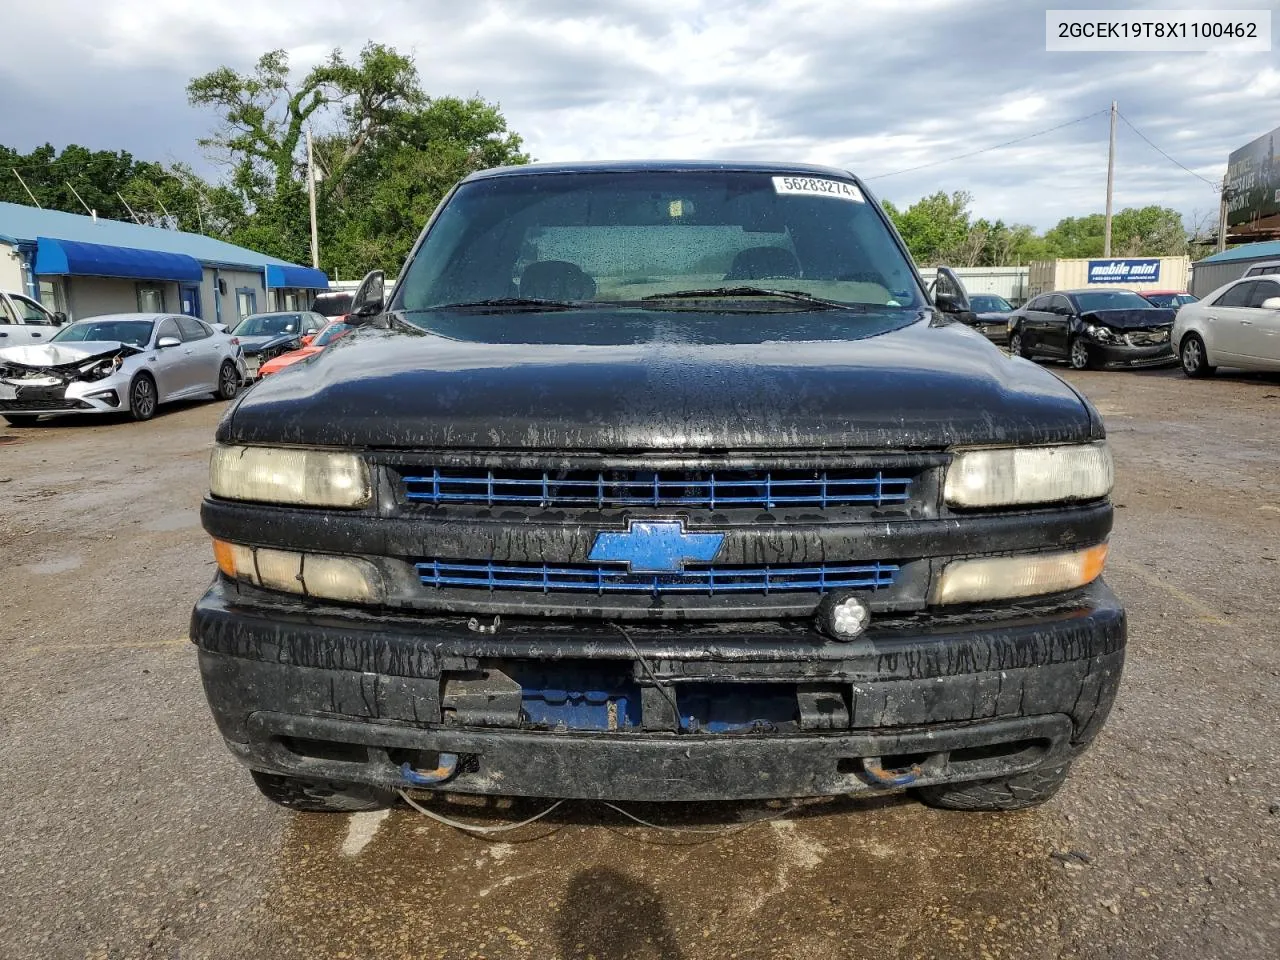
(228, 381)
(1194, 357)
(321, 796)
(1016, 345)
(1079, 354)
(143, 398)
(1003, 793)
(21, 419)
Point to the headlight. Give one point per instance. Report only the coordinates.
(1100, 333)
(309, 574)
(1004, 578)
(313, 478)
(1008, 476)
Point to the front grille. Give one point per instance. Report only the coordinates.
(44, 403)
(1147, 338)
(675, 488)
(605, 578)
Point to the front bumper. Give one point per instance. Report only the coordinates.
(108, 395)
(1124, 355)
(314, 690)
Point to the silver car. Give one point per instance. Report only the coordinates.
(1237, 325)
(120, 363)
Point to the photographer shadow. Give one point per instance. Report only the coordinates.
(610, 916)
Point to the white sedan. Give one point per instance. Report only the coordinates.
(120, 363)
(1238, 325)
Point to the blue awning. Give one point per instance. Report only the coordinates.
(286, 275)
(70, 258)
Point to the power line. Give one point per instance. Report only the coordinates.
(997, 146)
(1215, 185)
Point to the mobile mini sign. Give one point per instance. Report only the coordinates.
(1124, 271)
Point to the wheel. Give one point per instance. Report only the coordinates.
(321, 796)
(1016, 346)
(1003, 793)
(143, 399)
(228, 381)
(21, 419)
(1081, 359)
(1195, 359)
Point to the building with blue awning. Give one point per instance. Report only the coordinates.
(87, 266)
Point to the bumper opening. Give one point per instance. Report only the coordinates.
(650, 768)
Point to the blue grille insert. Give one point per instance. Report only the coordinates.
(604, 578)
(641, 488)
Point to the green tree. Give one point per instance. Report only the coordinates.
(385, 151)
(375, 212)
(934, 227)
(1150, 231)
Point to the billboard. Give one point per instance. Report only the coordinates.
(1253, 181)
(1124, 271)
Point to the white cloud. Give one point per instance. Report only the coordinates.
(871, 86)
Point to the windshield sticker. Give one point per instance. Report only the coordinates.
(818, 187)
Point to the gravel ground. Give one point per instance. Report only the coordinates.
(129, 831)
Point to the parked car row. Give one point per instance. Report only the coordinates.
(131, 363)
(1237, 325)
(121, 363)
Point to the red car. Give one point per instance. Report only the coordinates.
(1169, 298)
(328, 333)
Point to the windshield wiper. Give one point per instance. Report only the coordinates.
(514, 302)
(797, 296)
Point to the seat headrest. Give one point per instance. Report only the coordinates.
(763, 263)
(556, 280)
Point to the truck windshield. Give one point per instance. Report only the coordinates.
(585, 239)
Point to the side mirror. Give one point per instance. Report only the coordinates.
(306, 340)
(165, 342)
(369, 297)
(1271, 303)
(59, 318)
(219, 327)
(950, 296)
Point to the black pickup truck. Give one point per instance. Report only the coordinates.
(660, 481)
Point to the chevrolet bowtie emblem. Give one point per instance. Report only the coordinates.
(655, 546)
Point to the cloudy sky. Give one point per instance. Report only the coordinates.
(873, 85)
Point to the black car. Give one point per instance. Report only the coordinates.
(660, 481)
(992, 312)
(1093, 328)
(265, 336)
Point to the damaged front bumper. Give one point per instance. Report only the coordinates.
(715, 711)
(59, 379)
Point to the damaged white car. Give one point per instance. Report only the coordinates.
(121, 363)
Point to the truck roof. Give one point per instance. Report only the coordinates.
(642, 166)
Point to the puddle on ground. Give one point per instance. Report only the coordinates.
(586, 883)
(173, 521)
(56, 565)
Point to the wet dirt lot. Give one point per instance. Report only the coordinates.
(128, 831)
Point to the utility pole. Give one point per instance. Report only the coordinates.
(311, 191)
(26, 188)
(1222, 219)
(1111, 175)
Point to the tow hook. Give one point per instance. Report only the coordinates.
(872, 767)
(426, 778)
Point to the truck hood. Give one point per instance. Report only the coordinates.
(1139, 319)
(642, 380)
